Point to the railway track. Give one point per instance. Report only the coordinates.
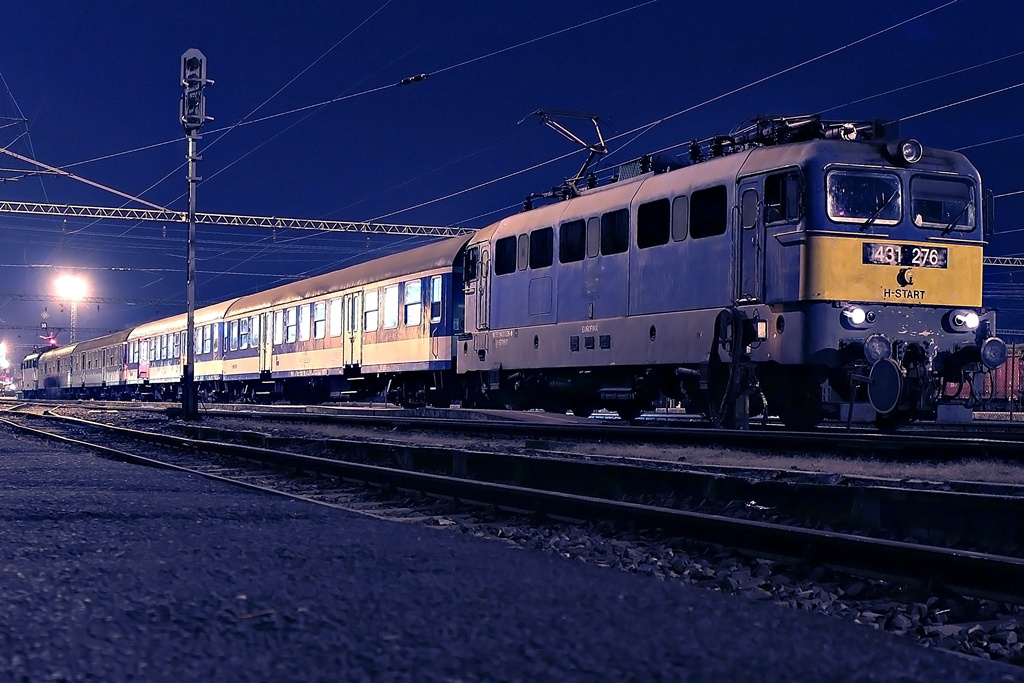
(623, 494)
(933, 443)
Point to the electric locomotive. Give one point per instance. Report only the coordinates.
(802, 267)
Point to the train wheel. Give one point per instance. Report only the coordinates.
(892, 422)
(629, 412)
(582, 410)
(797, 403)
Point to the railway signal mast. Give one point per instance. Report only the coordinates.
(193, 116)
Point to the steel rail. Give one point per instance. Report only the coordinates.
(971, 573)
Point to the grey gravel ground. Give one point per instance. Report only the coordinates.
(116, 572)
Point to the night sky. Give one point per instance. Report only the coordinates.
(98, 83)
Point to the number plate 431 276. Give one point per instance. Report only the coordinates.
(893, 254)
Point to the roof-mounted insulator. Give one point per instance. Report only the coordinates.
(695, 153)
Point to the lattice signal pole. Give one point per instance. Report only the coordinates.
(193, 116)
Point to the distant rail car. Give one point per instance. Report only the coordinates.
(808, 268)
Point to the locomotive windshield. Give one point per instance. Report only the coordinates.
(942, 203)
(865, 198)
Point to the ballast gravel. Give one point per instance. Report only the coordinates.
(116, 572)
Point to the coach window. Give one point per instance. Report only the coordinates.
(709, 212)
(336, 318)
(233, 336)
(782, 198)
(653, 224)
(523, 253)
(435, 299)
(680, 218)
(615, 232)
(291, 325)
(370, 311)
(177, 344)
(542, 247)
(243, 333)
(279, 327)
(319, 320)
(505, 256)
(254, 331)
(593, 237)
(353, 318)
(304, 322)
(390, 318)
(413, 303)
(208, 339)
(572, 241)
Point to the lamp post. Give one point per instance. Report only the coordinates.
(72, 289)
(193, 116)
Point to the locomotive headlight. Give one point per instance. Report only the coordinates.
(855, 315)
(905, 152)
(876, 348)
(969, 320)
(993, 352)
(962, 320)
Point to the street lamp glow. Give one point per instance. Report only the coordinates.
(71, 287)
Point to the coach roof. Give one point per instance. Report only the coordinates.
(442, 254)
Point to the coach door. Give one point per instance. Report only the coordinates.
(266, 343)
(750, 247)
(351, 339)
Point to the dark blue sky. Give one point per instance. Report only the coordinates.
(96, 79)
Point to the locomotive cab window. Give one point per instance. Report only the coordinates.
(505, 256)
(943, 204)
(653, 224)
(572, 241)
(782, 198)
(859, 197)
(523, 254)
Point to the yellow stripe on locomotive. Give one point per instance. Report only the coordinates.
(879, 270)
